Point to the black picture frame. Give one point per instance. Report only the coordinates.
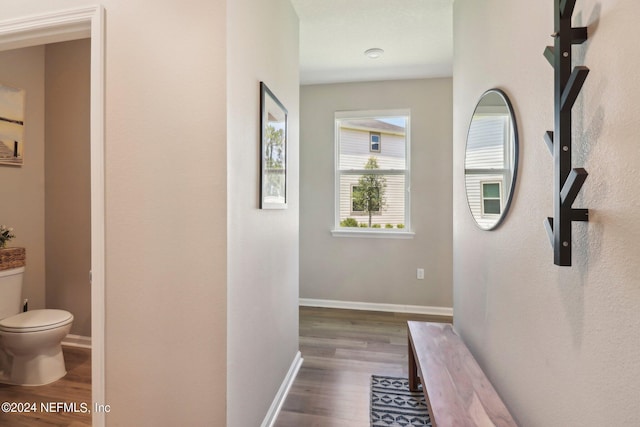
(273, 150)
(12, 113)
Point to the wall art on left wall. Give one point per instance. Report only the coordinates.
(273, 157)
(11, 125)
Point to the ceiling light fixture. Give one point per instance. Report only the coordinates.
(374, 53)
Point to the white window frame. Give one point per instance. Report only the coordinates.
(371, 135)
(483, 198)
(406, 232)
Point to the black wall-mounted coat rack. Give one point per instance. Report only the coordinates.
(567, 180)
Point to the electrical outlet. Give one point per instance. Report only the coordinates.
(420, 274)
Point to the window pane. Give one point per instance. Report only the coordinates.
(357, 192)
(491, 190)
(356, 143)
(372, 169)
(491, 206)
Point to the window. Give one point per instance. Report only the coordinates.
(372, 180)
(374, 142)
(491, 198)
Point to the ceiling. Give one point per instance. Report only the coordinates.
(416, 36)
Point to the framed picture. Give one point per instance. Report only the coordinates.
(11, 126)
(273, 151)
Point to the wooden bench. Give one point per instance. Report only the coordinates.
(458, 393)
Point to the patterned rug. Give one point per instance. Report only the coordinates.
(393, 405)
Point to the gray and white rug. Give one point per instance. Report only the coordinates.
(393, 405)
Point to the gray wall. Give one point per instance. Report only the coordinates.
(369, 270)
(561, 344)
(67, 181)
(262, 244)
(22, 188)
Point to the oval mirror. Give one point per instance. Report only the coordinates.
(491, 159)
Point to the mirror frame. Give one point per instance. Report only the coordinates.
(516, 156)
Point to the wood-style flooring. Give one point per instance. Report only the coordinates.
(341, 350)
(75, 387)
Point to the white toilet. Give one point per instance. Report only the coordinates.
(30, 351)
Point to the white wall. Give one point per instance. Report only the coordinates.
(22, 188)
(561, 344)
(378, 270)
(262, 244)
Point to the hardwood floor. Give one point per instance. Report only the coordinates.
(75, 387)
(341, 350)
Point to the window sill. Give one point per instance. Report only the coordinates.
(378, 234)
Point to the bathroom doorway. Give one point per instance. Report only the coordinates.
(61, 26)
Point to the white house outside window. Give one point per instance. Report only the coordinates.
(372, 173)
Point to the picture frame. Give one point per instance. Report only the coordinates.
(12, 114)
(273, 150)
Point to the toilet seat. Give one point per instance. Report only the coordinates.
(36, 321)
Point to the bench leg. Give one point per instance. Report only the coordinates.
(413, 369)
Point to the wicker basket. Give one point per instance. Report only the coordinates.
(12, 258)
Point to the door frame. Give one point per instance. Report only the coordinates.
(53, 27)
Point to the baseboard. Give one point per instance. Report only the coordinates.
(370, 306)
(274, 410)
(77, 341)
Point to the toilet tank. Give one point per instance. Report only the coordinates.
(10, 291)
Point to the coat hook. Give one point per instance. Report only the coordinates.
(567, 180)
